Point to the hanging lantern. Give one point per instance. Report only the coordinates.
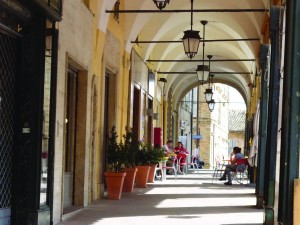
(202, 73)
(208, 94)
(161, 4)
(191, 40)
(211, 105)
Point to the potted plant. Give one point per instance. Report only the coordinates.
(155, 155)
(129, 147)
(114, 177)
(143, 167)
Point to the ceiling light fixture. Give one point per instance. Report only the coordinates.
(202, 73)
(211, 105)
(191, 38)
(161, 4)
(208, 92)
(203, 70)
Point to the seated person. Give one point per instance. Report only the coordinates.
(233, 166)
(168, 147)
(195, 155)
(181, 153)
(180, 149)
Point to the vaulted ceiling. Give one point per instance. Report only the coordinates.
(167, 26)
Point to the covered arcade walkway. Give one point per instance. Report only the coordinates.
(192, 199)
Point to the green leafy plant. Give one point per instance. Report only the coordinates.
(130, 152)
(131, 147)
(115, 155)
(150, 155)
(142, 156)
(156, 155)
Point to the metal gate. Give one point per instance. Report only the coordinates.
(7, 109)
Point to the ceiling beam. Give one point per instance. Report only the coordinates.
(212, 72)
(187, 11)
(213, 40)
(201, 60)
(149, 42)
(215, 102)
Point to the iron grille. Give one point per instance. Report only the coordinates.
(7, 93)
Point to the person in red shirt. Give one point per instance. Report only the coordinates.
(180, 149)
(181, 154)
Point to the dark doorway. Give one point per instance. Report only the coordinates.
(150, 121)
(70, 143)
(136, 111)
(106, 128)
(109, 113)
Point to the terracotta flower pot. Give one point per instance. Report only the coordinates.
(151, 174)
(129, 179)
(114, 182)
(142, 176)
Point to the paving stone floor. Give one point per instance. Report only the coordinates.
(191, 199)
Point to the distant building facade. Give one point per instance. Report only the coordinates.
(211, 126)
(236, 126)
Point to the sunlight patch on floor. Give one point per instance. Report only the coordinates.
(198, 190)
(206, 202)
(184, 219)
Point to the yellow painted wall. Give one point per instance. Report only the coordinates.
(117, 29)
(255, 95)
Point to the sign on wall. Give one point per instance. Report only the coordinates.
(139, 71)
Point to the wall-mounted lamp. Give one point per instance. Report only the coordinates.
(164, 80)
(161, 4)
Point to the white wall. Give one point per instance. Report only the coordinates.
(219, 125)
(75, 40)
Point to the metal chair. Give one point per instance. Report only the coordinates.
(172, 167)
(239, 175)
(219, 169)
(158, 169)
(182, 163)
(193, 163)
